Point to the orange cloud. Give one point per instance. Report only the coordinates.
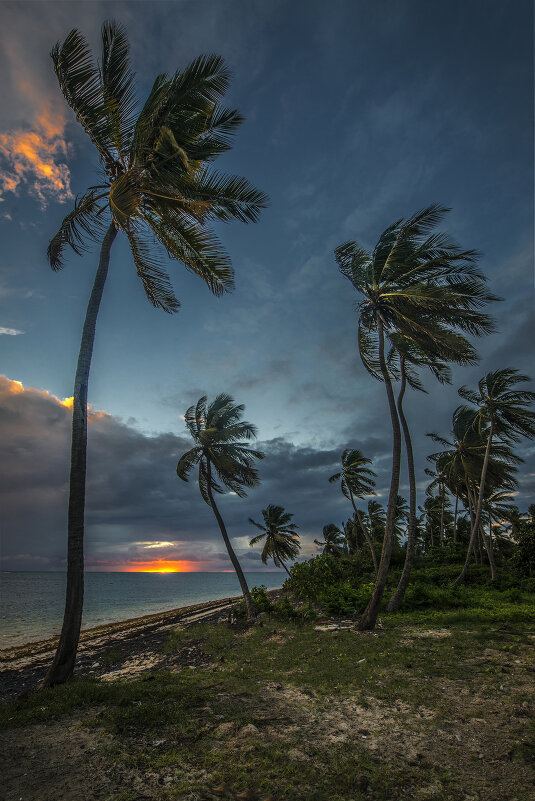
(16, 387)
(35, 158)
(35, 155)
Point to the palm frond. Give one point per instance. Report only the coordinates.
(118, 86)
(80, 81)
(154, 277)
(85, 222)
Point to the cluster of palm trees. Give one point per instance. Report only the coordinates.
(478, 464)
(420, 296)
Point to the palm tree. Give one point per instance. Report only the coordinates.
(221, 452)
(502, 413)
(155, 186)
(410, 358)
(375, 520)
(357, 481)
(278, 532)
(333, 540)
(424, 288)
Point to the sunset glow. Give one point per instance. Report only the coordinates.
(166, 566)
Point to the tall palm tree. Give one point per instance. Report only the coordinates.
(357, 481)
(221, 454)
(502, 412)
(423, 287)
(411, 358)
(333, 540)
(278, 532)
(155, 187)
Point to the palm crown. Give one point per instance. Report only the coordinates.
(357, 479)
(419, 285)
(278, 532)
(156, 183)
(503, 406)
(333, 540)
(219, 434)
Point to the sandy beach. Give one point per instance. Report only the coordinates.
(138, 641)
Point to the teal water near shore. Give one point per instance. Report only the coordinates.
(31, 604)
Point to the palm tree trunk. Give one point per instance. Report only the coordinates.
(475, 527)
(251, 611)
(397, 599)
(442, 498)
(488, 548)
(455, 517)
(284, 566)
(64, 660)
(369, 616)
(365, 533)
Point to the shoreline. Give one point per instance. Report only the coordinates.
(169, 617)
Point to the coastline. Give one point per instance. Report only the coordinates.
(140, 641)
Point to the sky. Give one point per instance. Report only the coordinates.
(357, 113)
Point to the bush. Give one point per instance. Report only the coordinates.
(341, 599)
(261, 599)
(284, 610)
(513, 595)
(528, 585)
(422, 594)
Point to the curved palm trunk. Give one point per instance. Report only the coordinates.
(488, 548)
(63, 665)
(397, 599)
(455, 518)
(475, 526)
(284, 566)
(369, 616)
(442, 498)
(491, 548)
(251, 611)
(365, 533)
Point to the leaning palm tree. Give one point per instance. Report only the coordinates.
(357, 481)
(333, 542)
(278, 532)
(423, 287)
(502, 413)
(410, 359)
(221, 454)
(157, 189)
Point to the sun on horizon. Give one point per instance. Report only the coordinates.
(166, 566)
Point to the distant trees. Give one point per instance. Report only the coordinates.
(422, 287)
(157, 188)
(357, 481)
(221, 454)
(502, 413)
(333, 542)
(281, 542)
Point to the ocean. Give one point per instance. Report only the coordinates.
(31, 604)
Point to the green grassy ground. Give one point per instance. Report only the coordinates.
(436, 704)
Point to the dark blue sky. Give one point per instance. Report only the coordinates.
(357, 113)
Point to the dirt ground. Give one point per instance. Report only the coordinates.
(471, 737)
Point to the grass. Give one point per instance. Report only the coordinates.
(310, 696)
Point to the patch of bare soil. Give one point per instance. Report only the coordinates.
(62, 761)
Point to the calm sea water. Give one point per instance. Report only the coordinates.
(31, 604)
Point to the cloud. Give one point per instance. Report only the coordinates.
(33, 153)
(137, 511)
(10, 332)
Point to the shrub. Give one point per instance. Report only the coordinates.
(284, 610)
(261, 599)
(341, 599)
